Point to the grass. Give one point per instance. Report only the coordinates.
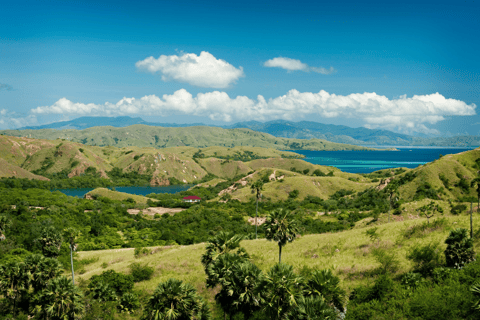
(348, 253)
(116, 195)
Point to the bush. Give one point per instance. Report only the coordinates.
(141, 272)
(459, 249)
(129, 302)
(459, 208)
(388, 261)
(120, 282)
(140, 251)
(318, 173)
(293, 194)
(425, 258)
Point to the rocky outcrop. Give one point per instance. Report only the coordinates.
(159, 181)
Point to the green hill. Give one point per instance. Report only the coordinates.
(159, 137)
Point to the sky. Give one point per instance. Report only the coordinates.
(407, 66)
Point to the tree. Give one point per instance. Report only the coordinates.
(14, 282)
(70, 235)
(223, 242)
(281, 228)
(4, 223)
(429, 210)
(50, 240)
(281, 292)
(459, 249)
(475, 182)
(257, 187)
(175, 300)
(391, 189)
(42, 270)
(323, 283)
(60, 300)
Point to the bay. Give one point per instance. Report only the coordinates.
(369, 161)
(140, 190)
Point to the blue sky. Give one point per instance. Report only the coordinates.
(410, 66)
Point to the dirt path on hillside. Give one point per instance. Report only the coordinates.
(156, 210)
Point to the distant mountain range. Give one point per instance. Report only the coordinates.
(286, 129)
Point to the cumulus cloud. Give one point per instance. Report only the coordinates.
(12, 120)
(403, 113)
(6, 87)
(295, 65)
(202, 71)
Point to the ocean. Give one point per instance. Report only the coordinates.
(369, 161)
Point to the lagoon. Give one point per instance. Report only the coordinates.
(140, 190)
(369, 161)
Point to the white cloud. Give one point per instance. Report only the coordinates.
(202, 71)
(12, 120)
(295, 65)
(404, 114)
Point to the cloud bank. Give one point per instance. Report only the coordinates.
(402, 114)
(295, 65)
(6, 87)
(12, 120)
(202, 71)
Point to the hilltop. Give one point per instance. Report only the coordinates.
(286, 129)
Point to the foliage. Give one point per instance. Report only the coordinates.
(388, 260)
(281, 291)
(459, 249)
(323, 283)
(281, 228)
(425, 258)
(128, 302)
(174, 299)
(59, 300)
(141, 272)
(50, 240)
(119, 282)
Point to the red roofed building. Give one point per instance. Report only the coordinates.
(191, 199)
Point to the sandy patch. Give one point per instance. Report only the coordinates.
(156, 210)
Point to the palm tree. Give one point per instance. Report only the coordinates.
(221, 243)
(71, 235)
(256, 187)
(175, 300)
(42, 270)
(50, 240)
(281, 292)
(60, 300)
(14, 282)
(4, 223)
(281, 228)
(324, 283)
(245, 280)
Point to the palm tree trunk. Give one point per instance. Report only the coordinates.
(279, 253)
(71, 263)
(256, 213)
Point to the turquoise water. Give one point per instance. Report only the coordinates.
(369, 161)
(142, 190)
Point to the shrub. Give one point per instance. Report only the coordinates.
(141, 272)
(425, 258)
(459, 249)
(140, 251)
(459, 208)
(293, 194)
(411, 280)
(306, 171)
(388, 261)
(129, 302)
(120, 282)
(318, 173)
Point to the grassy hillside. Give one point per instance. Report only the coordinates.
(159, 137)
(348, 254)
